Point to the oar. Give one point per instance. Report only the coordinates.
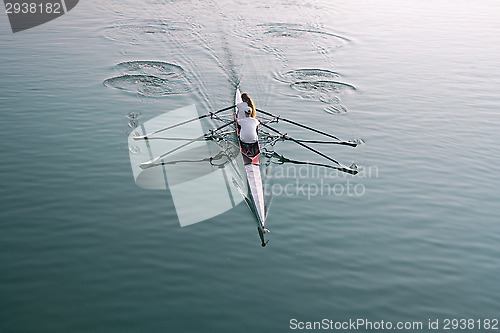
(150, 163)
(284, 159)
(145, 137)
(345, 143)
(172, 139)
(206, 159)
(352, 144)
(181, 139)
(342, 167)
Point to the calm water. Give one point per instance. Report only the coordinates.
(83, 249)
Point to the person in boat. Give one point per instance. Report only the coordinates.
(243, 106)
(248, 127)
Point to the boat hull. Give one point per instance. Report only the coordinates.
(255, 196)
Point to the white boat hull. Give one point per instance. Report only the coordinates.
(255, 195)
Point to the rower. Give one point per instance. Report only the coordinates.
(243, 106)
(248, 127)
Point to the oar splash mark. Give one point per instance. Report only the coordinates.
(146, 31)
(150, 79)
(336, 109)
(277, 39)
(306, 74)
(318, 84)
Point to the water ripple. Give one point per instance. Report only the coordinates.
(150, 68)
(278, 38)
(309, 74)
(317, 84)
(322, 87)
(149, 78)
(324, 91)
(134, 115)
(147, 85)
(146, 31)
(298, 31)
(336, 109)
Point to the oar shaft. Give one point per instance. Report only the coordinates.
(283, 159)
(143, 137)
(149, 163)
(170, 139)
(303, 145)
(314, 150)
(300, 125)
(345, 143)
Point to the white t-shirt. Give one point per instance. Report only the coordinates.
(241, 107)
(248, 131)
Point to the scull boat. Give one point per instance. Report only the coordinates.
(219, 187)
(255, 196)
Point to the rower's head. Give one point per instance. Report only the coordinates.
(245, 98)
(248, 112)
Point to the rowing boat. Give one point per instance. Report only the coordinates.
(255, 196)
(214, 168)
